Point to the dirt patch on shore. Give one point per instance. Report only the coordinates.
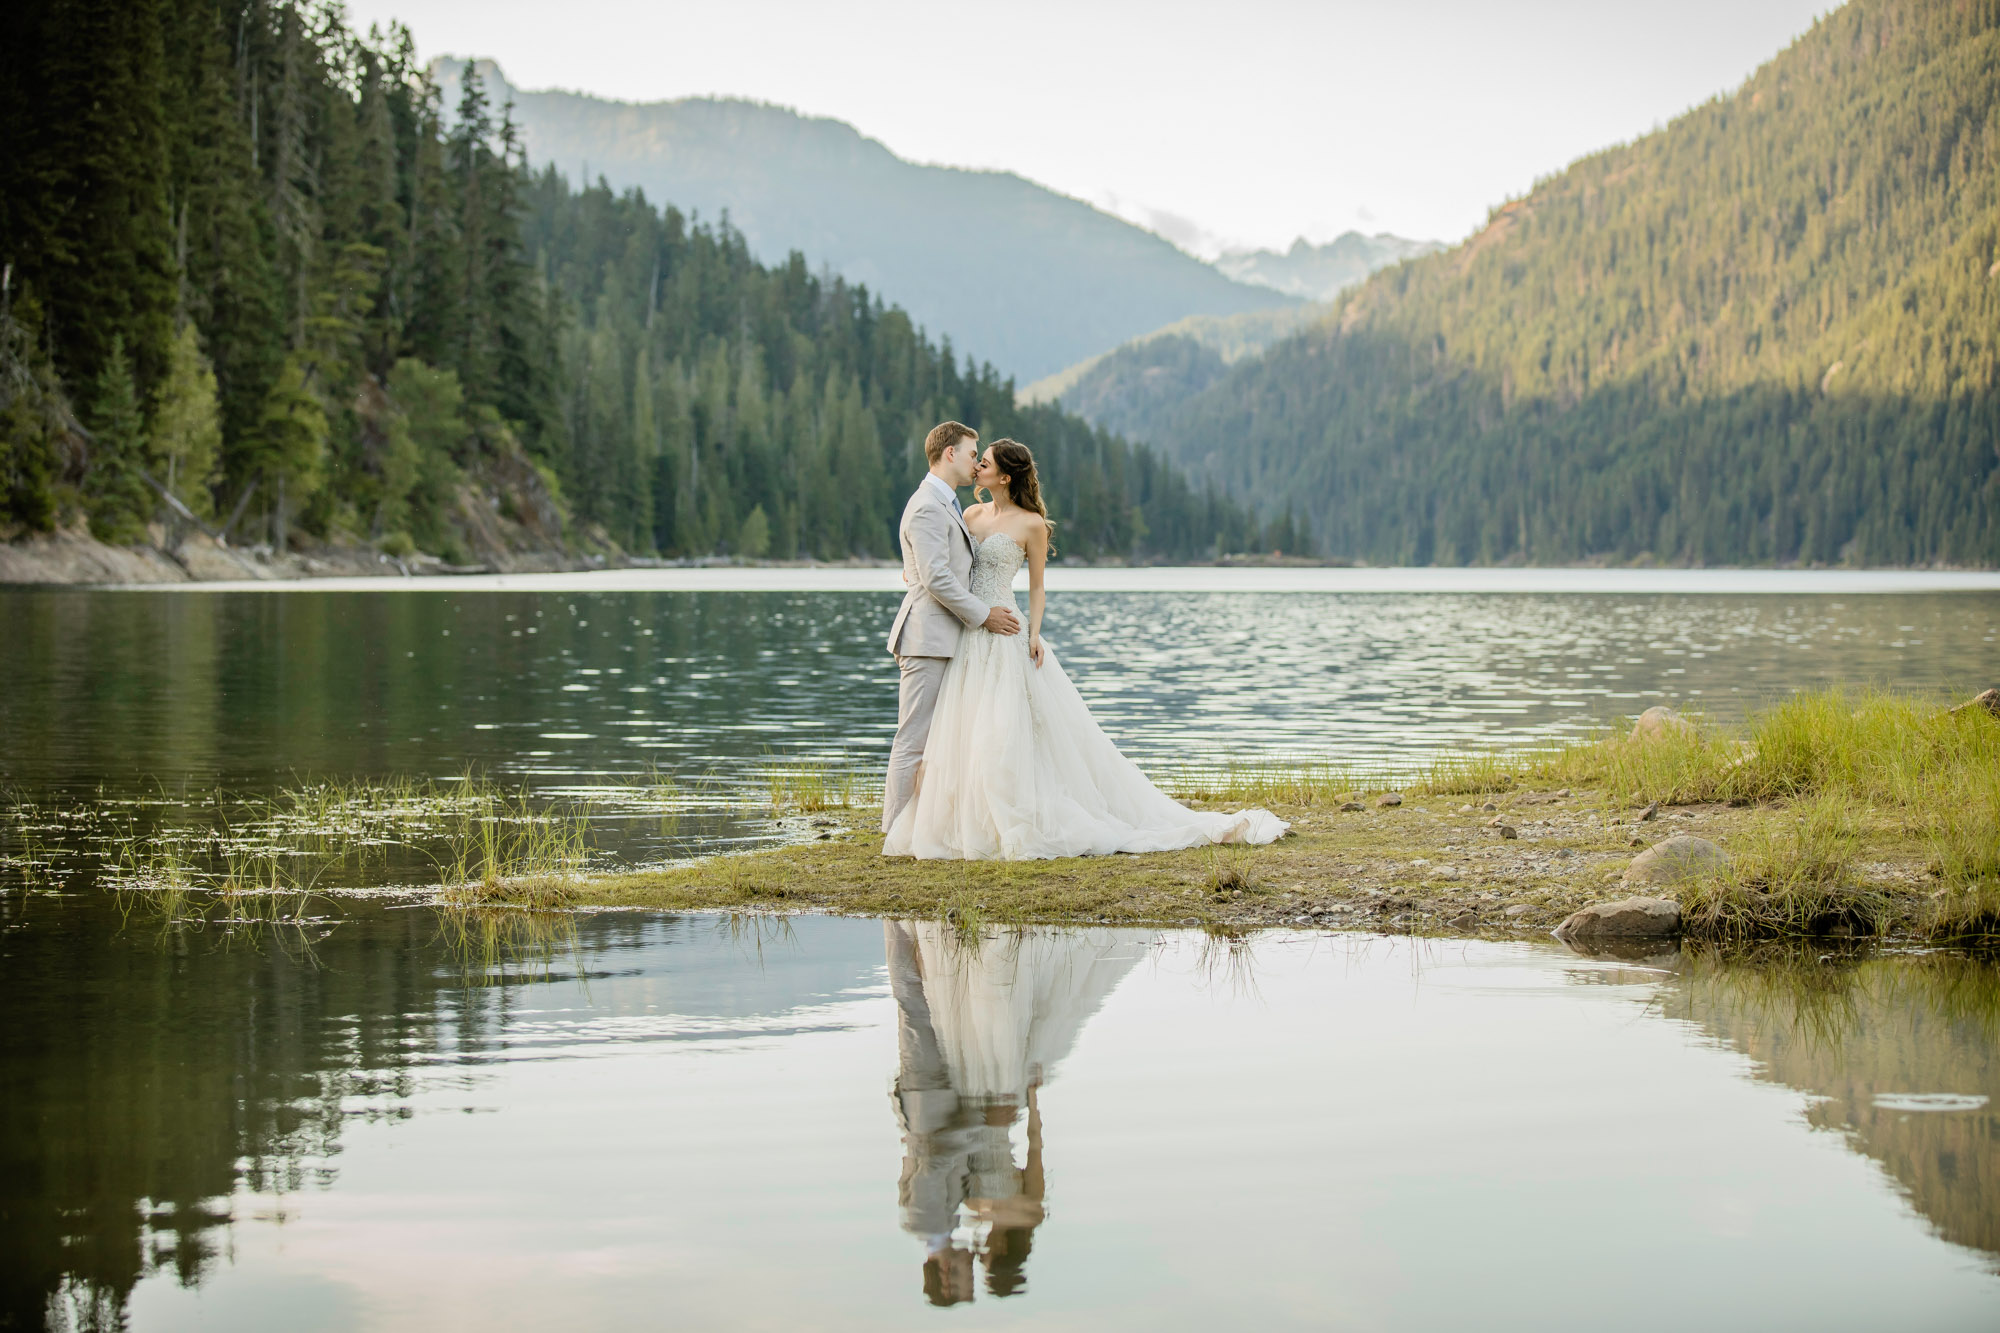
(1435, 865)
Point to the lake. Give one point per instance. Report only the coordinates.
(364, 1116)
(837, 1123)
(594, 687)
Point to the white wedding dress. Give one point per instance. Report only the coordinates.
(1016, 768)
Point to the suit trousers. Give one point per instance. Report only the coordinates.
(916, 700)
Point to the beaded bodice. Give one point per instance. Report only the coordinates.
(995, 561)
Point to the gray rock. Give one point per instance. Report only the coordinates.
(1348, 807)
(1680, 857)
(1652, 811)
(1987, 699)
(1489, 807)
(1509, 831)
(1659, 721)
(1389, 799)
(1629, 918)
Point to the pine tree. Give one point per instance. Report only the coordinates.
(119, 499)
(33, 422)
(293, 433)
(187, 424)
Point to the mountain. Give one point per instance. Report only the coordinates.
(1322, 272)
(1136, 390)
(1768, 332)
(1013, 273)
(254, 282)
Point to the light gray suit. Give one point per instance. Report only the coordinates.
(937, 566)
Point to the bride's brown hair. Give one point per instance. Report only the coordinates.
(1024, 487)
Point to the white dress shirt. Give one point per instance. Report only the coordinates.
(950, 495)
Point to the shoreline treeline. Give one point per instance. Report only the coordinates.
(253, 264)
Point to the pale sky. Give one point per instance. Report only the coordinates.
(1245, 123)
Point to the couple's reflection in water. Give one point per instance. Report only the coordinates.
(981, 1024)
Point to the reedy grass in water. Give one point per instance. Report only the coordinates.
(506, 850)
(810, 786)
(1273, 781)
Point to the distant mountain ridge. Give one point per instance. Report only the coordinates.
(1322, 272)
(1012, 272)
(1767, 333)
(1135, 388)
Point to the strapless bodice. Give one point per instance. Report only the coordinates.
(995, 561)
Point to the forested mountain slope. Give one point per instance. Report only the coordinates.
(1769, 332)
(1033, 280)
(256, 276)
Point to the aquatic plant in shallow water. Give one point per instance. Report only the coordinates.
(507, 850)
(1277, 780)
(810, 786)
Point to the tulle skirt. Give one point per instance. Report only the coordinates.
(1016, 769)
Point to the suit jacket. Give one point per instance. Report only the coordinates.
(937, 564)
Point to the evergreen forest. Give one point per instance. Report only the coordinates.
(1768, 333)
(259, 280)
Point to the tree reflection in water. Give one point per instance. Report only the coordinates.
(981, 1026)
(1900, 1052)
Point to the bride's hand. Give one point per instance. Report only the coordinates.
(1035, 649)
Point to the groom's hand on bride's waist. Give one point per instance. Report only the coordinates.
(1002, 620)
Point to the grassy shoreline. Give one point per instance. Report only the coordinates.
(1844, 815)
(1841, 815)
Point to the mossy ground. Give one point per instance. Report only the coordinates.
(1850, 814)
(1428, 866)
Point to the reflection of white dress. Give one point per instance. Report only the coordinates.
(977, 1027)
(1017, 769)
(1006, 1012)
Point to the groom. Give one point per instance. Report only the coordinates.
(937, 566)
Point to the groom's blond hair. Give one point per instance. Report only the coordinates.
(944, 436)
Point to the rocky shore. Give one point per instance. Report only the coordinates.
(75, 558)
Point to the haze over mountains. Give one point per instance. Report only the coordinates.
(1013, 273)
(1768, 333)
(1322, 272)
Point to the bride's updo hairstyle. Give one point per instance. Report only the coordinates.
(1024, 488)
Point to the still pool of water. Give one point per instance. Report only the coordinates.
(833, 1123)
(362, 1121)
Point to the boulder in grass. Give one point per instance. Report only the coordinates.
(1987, 699)
(1660, 721)
(1388, 800)
(1680, 857)
(1627, 919)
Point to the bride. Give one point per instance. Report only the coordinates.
(1015, 767)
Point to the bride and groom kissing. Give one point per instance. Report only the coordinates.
(996, 755)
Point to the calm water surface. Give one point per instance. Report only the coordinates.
(349, 1122)
(849, 1124)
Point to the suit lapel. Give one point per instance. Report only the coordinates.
(952, 509)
